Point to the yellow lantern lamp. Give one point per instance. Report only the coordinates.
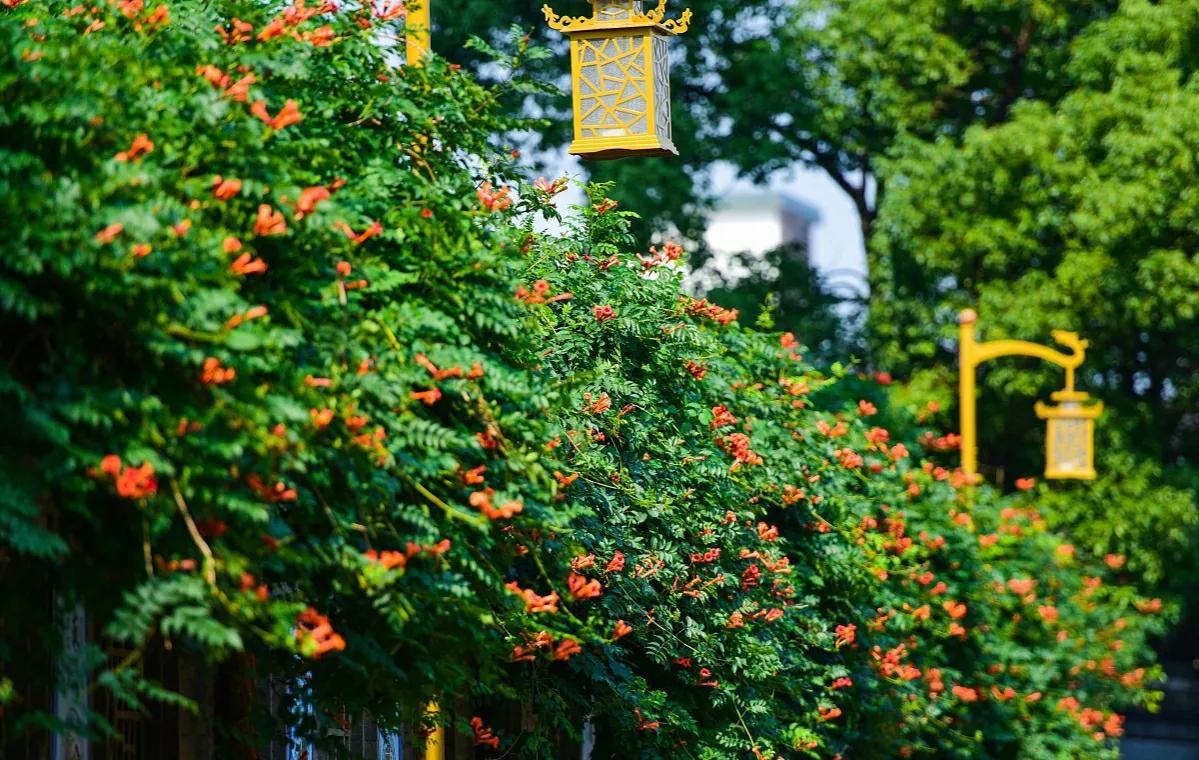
(1070, 444)
(1070, 448)
(620, 76)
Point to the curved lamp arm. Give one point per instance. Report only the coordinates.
(974, 353)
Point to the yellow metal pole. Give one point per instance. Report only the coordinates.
(966, 402)
(435, 744)
(419, 20)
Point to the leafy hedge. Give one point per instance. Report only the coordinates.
(288, 370)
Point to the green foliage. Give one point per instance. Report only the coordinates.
(1073, 213)
(312, 392)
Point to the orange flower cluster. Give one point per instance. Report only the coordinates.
(704, 558)
(130, 482)
(1089, 718)
(599, 405)
(316, 636)
(696, 370)
(256, 312)
(269, 222)
(701, 308)
(285, 24)
(830, 713)
(792, 495)
(238, 32)
(832, 431)
(390, 10)
(214, 374)
(321, 417)
(481, 500)
(309, 198)
(142, 144)
(616, 564)
(358, 238)
(540, 294)
(224, 189)
(288, 115)
(582, 589)
(109, 233)
(428, 398)
(849, 459)
(483, 735)
(891, 663)
(275, 494)
(238, 91)
(250, 584)
(846, 635)
(645, 725)
(476, 370)
(947, 442)
(551, 188)
(492, 199)
(1021, 586)
(534, 602)
(390, 559)
(603, 313)
(669, 252)
(737, 445)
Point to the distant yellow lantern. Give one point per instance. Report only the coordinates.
(1070, 447)
(620, 74)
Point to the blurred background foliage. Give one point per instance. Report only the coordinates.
(1030, 159)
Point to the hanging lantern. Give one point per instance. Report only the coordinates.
(1070, 445)
(620, 75)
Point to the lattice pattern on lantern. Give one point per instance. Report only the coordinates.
(621, 75)
(1070, 440)
(613, 86)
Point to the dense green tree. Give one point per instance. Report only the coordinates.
(1077, 212)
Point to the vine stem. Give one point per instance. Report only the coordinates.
(201, 544)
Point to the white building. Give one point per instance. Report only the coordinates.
(754, 221)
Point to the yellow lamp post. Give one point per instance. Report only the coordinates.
(418, 23)
(620, 77)
(1070, 447)
(435, 744)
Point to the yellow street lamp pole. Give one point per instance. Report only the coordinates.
(1070, 445)
(418, 24)
(435, 744)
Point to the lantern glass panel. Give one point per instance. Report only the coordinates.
(662, 89)
(613, 85)
(1070, 445)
